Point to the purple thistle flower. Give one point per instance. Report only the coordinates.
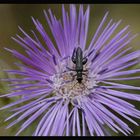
(47, 88)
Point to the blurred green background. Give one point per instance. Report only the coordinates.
(12, 15)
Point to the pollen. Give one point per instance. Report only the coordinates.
(66, 86)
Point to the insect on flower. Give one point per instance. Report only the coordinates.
(77, 58)
(71, 87)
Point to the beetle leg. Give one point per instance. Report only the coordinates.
(70, 69)
(84, 74)
(74, 75)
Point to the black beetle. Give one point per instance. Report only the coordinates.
(79, 61)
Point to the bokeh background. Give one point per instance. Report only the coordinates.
(12, 15)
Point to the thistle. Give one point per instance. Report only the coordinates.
(48, 87)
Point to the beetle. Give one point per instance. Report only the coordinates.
(78, 59)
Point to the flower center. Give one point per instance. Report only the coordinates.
(65, 81)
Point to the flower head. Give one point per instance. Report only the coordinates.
(72, 87)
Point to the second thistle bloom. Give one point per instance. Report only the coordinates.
(49, 87)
